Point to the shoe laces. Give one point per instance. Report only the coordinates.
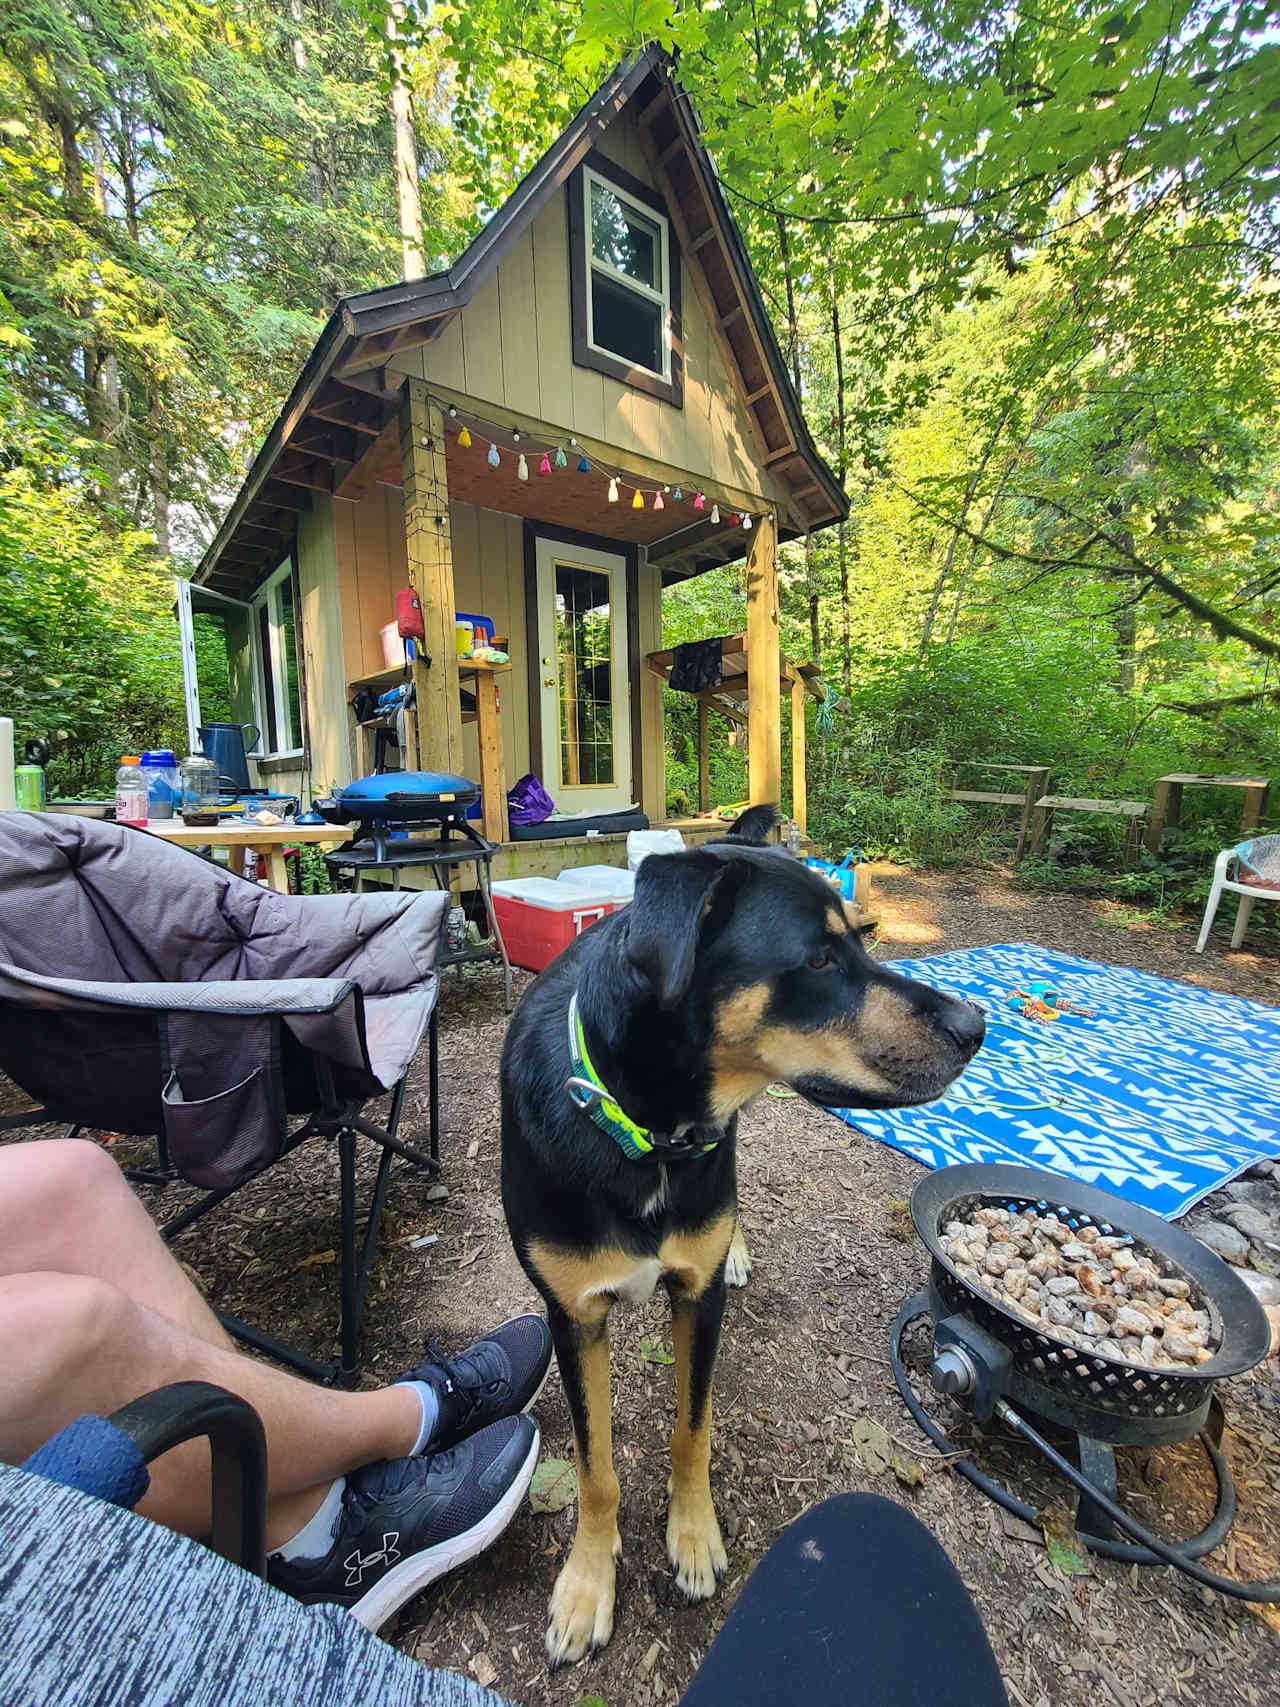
(465, 1374)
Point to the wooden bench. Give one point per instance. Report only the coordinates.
(1166, 807)
(1037, 782)
(1042, 818)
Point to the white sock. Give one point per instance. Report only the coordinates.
(430, 1414)
(315, 1537)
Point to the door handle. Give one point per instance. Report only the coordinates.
(548, 681)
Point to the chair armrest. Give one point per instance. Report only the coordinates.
(1222, 864)
(239, 997)
(108, 1457)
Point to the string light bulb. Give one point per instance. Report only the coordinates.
(522, 468)
(515, 435)
(464, 438)
(544, 467)
(453, 409)
(493, 458)
(613, 491)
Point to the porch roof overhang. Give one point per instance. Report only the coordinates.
(347, 396)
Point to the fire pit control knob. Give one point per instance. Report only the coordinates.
(952, 1371)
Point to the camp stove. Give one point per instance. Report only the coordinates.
(998, 1366)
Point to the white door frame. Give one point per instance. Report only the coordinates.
(588, 796)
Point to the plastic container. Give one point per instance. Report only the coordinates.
(164, 785)
(131, 792)
(198, 794)
(609, 882)
(540, 916)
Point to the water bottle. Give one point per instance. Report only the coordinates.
(163, 782)
(131, 792)
(795, 840)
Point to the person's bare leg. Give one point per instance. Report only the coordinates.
(73, 1345)
(66, 1207)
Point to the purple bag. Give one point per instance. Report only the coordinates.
(528, 802)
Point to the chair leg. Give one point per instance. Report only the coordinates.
(349, 1332)
(1242, 920)
(1210, 910)
(433, 1081)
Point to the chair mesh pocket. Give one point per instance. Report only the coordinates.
(220, 1141)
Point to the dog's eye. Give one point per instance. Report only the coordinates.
(823, 958)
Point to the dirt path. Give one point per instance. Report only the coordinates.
(803, 1359)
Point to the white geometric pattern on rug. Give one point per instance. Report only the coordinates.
(1164, 1096)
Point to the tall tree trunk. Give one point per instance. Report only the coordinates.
(302, 65)
(846, 660)
(811, 586)
(793, 326)
(408, 197)
(107, 368)
(158, 471)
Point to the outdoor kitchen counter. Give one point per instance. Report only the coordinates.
(269, 840)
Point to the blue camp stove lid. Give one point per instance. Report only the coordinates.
(407, 796)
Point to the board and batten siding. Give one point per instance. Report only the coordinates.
(511, 347)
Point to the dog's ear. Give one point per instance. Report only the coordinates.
(753, 825)
(674, 895)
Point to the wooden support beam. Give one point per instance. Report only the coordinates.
(764, 663)
(703, 238)
(303, 473)
(753, 397)
(429, 547)
(347, 412)
(731, 318)
(493, 785)
(799, 781)
(652, 108)
(328, 444)
(283, 496)
(704, 758)
(669, 153)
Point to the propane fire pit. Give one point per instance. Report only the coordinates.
(993, 1360)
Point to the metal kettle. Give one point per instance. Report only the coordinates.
(228, 745)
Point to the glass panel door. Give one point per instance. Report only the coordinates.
(582, 645)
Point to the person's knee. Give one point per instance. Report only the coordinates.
(51, 1320)
(58, 1178)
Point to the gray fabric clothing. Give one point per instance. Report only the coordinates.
(101, 1608)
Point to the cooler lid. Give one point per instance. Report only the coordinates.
(548, 893)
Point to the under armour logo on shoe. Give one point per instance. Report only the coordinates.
(356, 1565)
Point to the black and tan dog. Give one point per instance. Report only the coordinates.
(624, 1070)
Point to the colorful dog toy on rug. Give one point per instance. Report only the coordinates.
(1041, 1001)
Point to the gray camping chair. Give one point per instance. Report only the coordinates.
(145, 990)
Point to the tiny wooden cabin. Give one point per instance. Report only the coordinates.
(588, 406)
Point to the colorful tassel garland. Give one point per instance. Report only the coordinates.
(562, 461)
(522, 468)
(677, 495)
(657, 501)
(746, 524)
(464, 438)
(584, 467)
(699, 503)
(494, 458)
(544, 467)
(715, 513)
(613, 491)
(637, 503)
(733, 520)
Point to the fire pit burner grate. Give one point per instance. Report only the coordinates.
(1081, 1389)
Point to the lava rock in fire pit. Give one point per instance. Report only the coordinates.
(1081, 1287)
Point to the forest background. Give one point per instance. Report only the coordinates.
(1022, 262)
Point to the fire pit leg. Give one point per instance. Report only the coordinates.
(1215, 1422)
(1098, 1463)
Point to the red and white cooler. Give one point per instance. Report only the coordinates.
(539, 916)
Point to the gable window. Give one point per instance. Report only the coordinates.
(276, 639)
(624, 279)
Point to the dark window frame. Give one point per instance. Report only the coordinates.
(585, 354)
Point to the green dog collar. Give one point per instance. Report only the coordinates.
(587, 1092)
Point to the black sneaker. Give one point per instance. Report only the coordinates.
(499, 1376)
(407, 1522)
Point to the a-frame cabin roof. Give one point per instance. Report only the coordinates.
(341, 399)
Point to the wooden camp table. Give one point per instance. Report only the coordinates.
(269, 840)
(1166, 805)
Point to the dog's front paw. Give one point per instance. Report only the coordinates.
(737, 1265)
(695, 1548)
(582, 1603)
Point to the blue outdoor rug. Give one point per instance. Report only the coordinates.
(1164, 1096)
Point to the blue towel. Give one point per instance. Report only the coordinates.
(1165, 1095)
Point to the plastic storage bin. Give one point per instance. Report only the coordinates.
(539, 916)
(609, 882)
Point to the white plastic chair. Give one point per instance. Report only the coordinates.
(1262, 855)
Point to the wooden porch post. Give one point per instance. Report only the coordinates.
(799, 782)
(704, 759)
(429, 547)
(764, 668)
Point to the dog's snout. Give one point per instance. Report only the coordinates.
(966, 1024)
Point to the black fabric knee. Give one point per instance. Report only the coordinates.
(855, 1602)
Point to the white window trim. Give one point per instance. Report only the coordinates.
(662, 297)
(268, 594)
